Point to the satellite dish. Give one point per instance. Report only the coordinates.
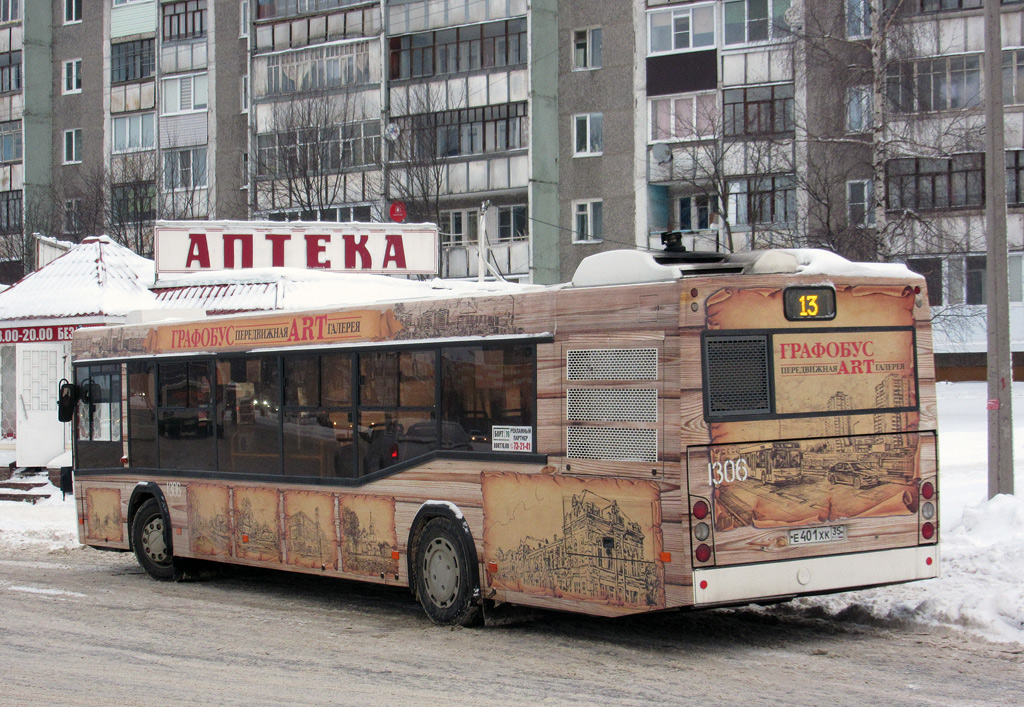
(392, 131)
(661, 153)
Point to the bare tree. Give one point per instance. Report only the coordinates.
(308, 145)
(133, 201)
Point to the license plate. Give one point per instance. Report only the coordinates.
(826, 534)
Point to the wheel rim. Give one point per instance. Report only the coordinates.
(153, 542)
(441, 573)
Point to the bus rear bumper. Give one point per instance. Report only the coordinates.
(813, 575)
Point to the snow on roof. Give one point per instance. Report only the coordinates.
(620, 267)
(97, 277)
(263, 289)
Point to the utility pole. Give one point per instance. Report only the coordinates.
(1000, 369)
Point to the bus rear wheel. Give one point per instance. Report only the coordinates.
(149, 541)
(444, 576)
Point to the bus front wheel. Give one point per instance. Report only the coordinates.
(444, 577)
(149, 541)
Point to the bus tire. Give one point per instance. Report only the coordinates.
(444, 577)
(149, 540)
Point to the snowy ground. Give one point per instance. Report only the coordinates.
(982, 585)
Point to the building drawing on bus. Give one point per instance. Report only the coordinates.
(665, 431)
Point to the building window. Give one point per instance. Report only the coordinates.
(975, 279)
(860, 210)
(512, 223)
(588, 134)
(72, 76)
(943, 5)
(586, 49)
(858, 109)
(588, 224)
(299, 153)
(1013, 76)
(72, 215)
(131, 61)
(11, 210)
(10, 141)
(184, 94)
(459, 227)
(134, 132)
(184, 20)
(360, 143)
(763, 200)
(471, 131)
(684, 117)
(749, 21)
(681, 29)
(185, 169)
(318, 68)
(941, 83)
(695, 212)
(243, 19)
(758, 110)
(133, 203)
(10, 71)
(1015, 177)
(245, 93)
(931, 268)
(922, 184)
(460, 49)
(10, 10)
(72, 11)
(73, 146)
(858, 18)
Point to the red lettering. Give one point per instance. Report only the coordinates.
(307, 328)
(198, 250)
(230, 239)
(321, 320)
(872, 351)
(855, 366)
(842, 367)
(293, 332)
(395, 250)
(315, 249)
(277, 241)
(352, 248)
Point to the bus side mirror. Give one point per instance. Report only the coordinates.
(67, 398)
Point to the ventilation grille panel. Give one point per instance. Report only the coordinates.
(612, 443)
(737, 375)
(612, 365)
(605, 405)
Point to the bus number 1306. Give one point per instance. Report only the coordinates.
(728, 471)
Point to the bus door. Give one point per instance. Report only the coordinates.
(41, 437)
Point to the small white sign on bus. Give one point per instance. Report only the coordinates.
(511, 439)
(385, 248)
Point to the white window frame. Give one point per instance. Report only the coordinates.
(244, 81)
(70, 11)
(192, 185)
(71, 76)
(858, 19)
(585, 208)
(589, 62)
(586, 121)
(859, 114)
(679, 13)
(466, 235)
(710, 203)
(509, 213)
(73, 146)
(243, 18)
(135, 126)
(864, 200)
(6, 14)
(194, 80)
(698, 104)
(773, 34)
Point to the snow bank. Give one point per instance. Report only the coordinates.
(50, 524)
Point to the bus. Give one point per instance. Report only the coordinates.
(592, 447)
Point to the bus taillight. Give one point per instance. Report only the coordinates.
(703, 553)
(701, 511)
(927, 531)
(929, 511)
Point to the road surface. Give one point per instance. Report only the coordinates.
(83, 627)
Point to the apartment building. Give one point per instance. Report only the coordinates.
(533, 133)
